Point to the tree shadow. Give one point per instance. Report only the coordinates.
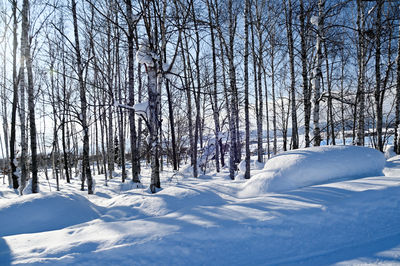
(5, 253)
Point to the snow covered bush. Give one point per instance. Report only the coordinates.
(311, 166)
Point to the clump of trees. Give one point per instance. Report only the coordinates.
(87, 86)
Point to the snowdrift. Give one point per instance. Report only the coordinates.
(389, 152)
(43, 212)
(312, 166)
(254, 165)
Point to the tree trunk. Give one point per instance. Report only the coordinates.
(109, 77)
(260, 151)
(360, 134)
(172, 126)
(31, 97)
(86, 173)
(317, 75)
(13, 164)
(22, 110)
(197, 94)
(397, 121)
(267, 113)
(273, 99)
(378, 93)
(154, 127)
(5, 117)
(295, 136)
(233, 104)
(186, 64)
(306, 91)
(104, 147)
(215, 90)
(246, 87)
(64, 127)
(330, 123)
(256, 90)
(342, 102)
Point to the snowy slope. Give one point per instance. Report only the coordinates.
(202, 221)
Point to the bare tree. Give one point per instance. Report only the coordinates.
(246, 86)
(133, 136)
(317, 73)
(379, 93)
(13, 163)
(218, 142)
(360, 104)
(306, 89)
(289, 22)
(86, 172)
(397, 121)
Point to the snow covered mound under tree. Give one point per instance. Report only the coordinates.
(45, 211)
(312, 166)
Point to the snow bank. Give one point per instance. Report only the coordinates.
(43, 212)
(186, 171)
(254, 165)
(389, 152)
(312, 166)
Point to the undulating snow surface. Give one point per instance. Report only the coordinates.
(204, 222)
(47, 211)
(311, 166)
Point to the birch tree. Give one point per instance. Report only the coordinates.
(360, 97)
(233, 123)
(86, 172)
(317, 72)
(133, 136)
(31, 96)
(246, 86)
(304, 73)
(289, 22)
(13, 161)
(218, 142)
(379, 93)
(397, 116)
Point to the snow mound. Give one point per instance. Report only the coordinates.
(43, 212)
(254, 165)
(389, 152)
(186, 171)
(312, 166)
(28, 187)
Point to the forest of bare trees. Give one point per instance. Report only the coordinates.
(90, 85)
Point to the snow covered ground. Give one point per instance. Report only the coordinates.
(203, 221)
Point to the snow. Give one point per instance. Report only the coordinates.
(28, 187)
(142, 109)
(254, 165)
(389, 152)
(310, 166)
(208, 153)
(42, 212)
(165, 67)
(314, 20)
(203, 221)
(144, 55)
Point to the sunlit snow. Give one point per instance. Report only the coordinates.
(203, 221)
